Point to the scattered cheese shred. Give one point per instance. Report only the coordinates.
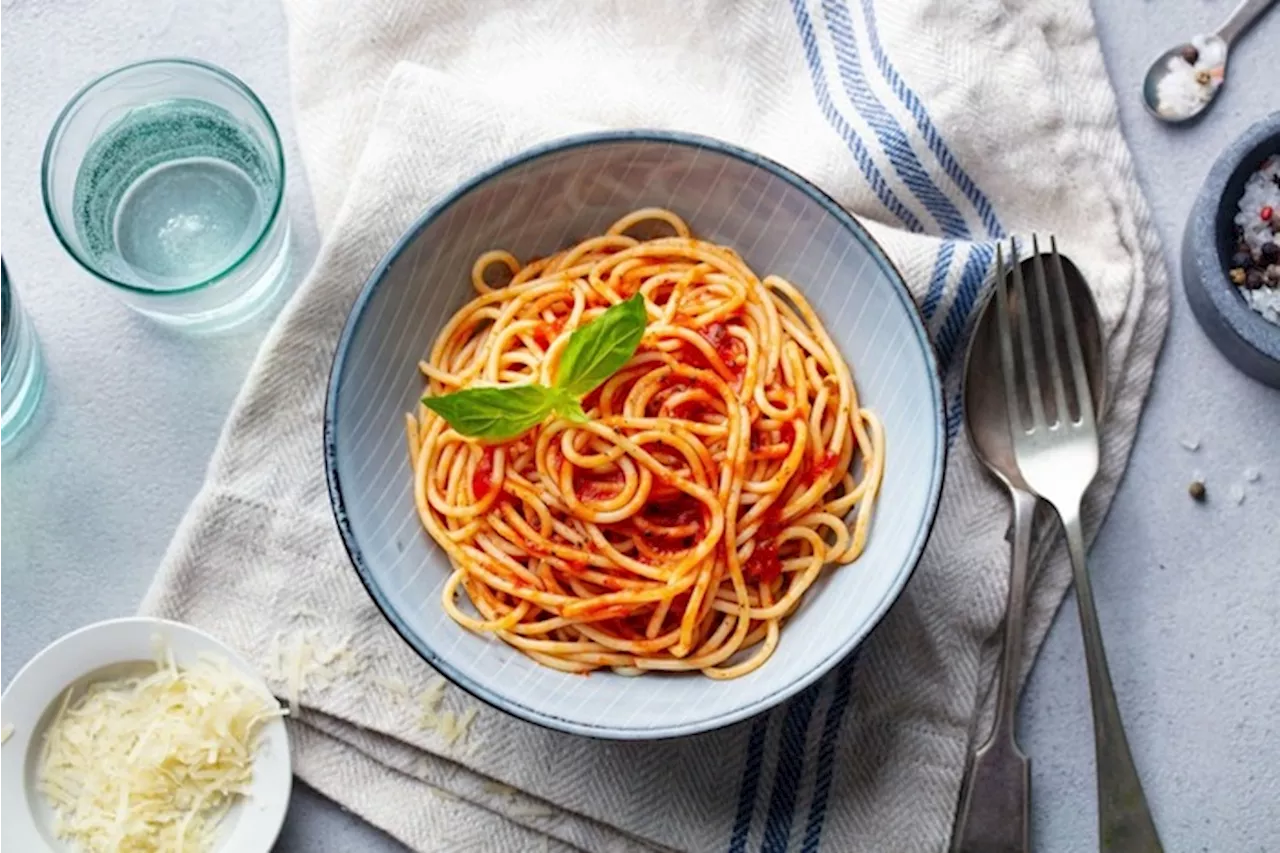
(429, 703)
(451, 726)
(304, 660)
(5, 733)
(153, 761)
(464, 723)
(492, 786)
(394, 685)
(530, 810)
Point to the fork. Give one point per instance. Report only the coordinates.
(1055, 444)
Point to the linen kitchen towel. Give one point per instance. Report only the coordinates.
(946, 125)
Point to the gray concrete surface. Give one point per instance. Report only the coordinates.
(1189, 595)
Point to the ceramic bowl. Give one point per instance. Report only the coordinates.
(534, 204)
(114, 649)
(1246, 338)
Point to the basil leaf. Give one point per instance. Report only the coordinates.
(594, 353)
(597, 350)
(567, 406)
(498, 413)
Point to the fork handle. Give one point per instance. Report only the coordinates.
(1124, 820)
(994, 808)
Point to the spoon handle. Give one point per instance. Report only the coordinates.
(993, 815)
(1124, 820)
(1240, 19)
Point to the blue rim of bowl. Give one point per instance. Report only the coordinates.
(46, 162)
(512, 706)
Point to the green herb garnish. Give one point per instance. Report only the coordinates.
(594, 353)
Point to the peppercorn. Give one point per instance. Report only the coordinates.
(1203, 78)
(1241, 259)
(1196, 490)
(1270, 253)
(1237, 276)
(1273, 275)
(1253, 279)
(1265, 213)
(1190, 54)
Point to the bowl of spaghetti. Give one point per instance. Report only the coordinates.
(641, 407)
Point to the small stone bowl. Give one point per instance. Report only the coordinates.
(1248, 340)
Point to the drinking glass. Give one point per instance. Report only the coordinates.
(166, 180)
(22, 372)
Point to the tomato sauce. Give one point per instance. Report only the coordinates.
(763, 565)
(653, 408)
(666, 544)
(482, 480)
(677, 512)
(788, 433)
(596, 487)
(690, 356)
(825, 464)
(545, 333)
(606, 611)
(729, 348)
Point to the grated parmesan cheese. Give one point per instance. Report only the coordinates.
(530, 810)
(492, 786)
(449, 725)
(5, 733)
(303, 660)
(153, 761)
(394, 685)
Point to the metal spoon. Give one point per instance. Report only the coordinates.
(1185, 79)
(993, 816)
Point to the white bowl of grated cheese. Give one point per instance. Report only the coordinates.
(142, 734)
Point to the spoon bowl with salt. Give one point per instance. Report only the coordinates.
(1184, 80)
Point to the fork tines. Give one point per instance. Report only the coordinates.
(1038, 332)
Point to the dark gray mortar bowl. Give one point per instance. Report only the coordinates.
(1248, 341)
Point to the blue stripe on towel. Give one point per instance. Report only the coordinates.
(955, 415)
(951, 334)
(926, 127)
(838, 123)
(826, 754)
(786, 781)
(887, 129)
(938, 283)
(791, 760)
(893, 138)
(750, 783)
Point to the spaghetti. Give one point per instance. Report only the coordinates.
(715, 476)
